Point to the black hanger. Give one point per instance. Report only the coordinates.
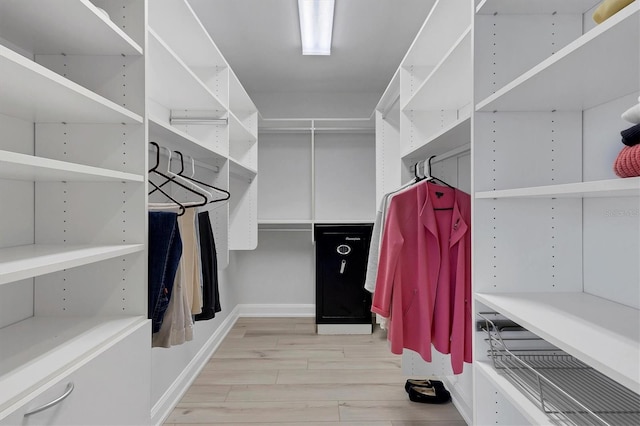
(227, 193)
(157, 187)
(431, 177)
(182, 208)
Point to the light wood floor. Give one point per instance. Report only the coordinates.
(278, 371)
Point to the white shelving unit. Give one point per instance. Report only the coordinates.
(190, 79)
(57, 26)
(41, 95)
(563, 319)
(17, 263)
(73, 248)
(320, 153)
(576, 66)
(603, 188)
(426, 111)
(555, 232)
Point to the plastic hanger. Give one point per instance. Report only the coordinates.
(193, 172)
(174, 177)
(154, 169)
(429, 177)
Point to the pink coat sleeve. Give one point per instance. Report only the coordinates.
(391, 246)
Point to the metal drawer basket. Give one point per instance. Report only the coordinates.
(566, 389)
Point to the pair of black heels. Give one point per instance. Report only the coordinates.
(427, 391)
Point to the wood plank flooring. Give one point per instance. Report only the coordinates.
(278, 371)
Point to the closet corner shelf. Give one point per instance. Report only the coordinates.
(535, 7)
(196, 47)
(242, 171)
(37, 349)
(525, 406)
(31, 168)
(627, 187)
(21, 262)
(571, 79)
(34, 93)
(599, 332)
(173, 84)
(452, 136)
(449, 85)
(174, 138)
(74, 27)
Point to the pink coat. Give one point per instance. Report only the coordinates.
(424, 274)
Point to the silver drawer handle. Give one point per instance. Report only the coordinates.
(66, 393)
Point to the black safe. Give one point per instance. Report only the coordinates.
(341, 265)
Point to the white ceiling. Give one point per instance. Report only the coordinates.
(261, 41)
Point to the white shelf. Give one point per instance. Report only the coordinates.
(525, 406)
(17, 263)
(444, 24)
(73, 27)
(573, 78)
(37, 349)
(628, 187)
(453, 136)
(28, 167)
(172, 83)
(601, 333)
(534, 7)
(448, 86)
(174, 138)
(241, 171)
(189, 39)
(34, 93)
(239, 133)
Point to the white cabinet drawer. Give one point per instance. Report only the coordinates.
(110, 389)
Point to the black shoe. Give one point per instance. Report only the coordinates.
(432, 395)
(425, 383)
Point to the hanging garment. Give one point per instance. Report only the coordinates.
(165, 250)
(423, 283)
(177, 326)
(191, 260)
(209, 257)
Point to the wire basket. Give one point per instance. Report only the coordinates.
(567, 390)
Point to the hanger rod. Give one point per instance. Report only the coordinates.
(196, 120)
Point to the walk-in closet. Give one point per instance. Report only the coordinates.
(431, 219)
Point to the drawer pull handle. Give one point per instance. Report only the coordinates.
(50, 404)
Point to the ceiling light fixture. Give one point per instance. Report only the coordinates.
(316, 26)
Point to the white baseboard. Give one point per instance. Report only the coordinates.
(161, 410)
(277, 310)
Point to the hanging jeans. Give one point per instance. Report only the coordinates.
(165, 249)
(209, 257)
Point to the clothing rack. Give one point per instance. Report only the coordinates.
(200, 164)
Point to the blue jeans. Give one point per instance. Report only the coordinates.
(165, 250)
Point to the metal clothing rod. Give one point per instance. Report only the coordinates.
(453, 153)
(197, 120)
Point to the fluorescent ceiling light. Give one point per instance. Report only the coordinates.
(316, 26)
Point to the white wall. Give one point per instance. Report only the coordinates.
(279, 271)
